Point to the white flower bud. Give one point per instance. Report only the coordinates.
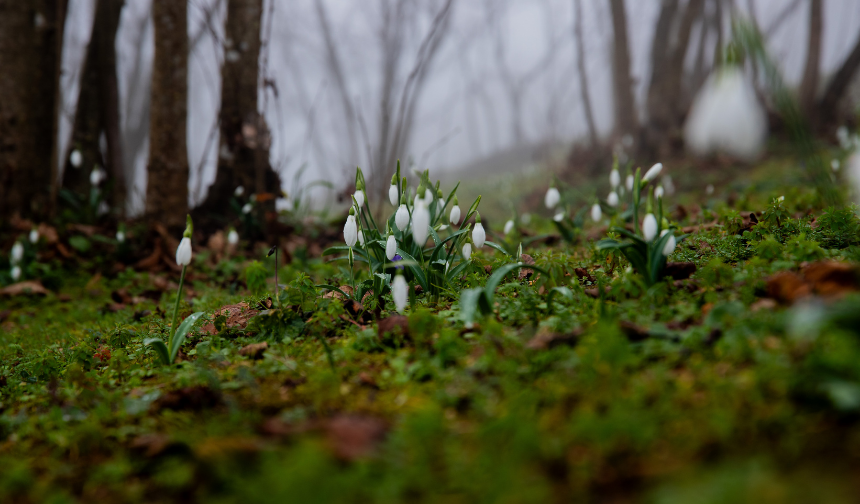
(612, 199)
(183, 252)
(552, 198)
(239, 191)
(120, 236)
(399, 291)
(233, 237)
(455, 214)
(76, 158)
(658, 192)
(401, 218)
(17, 252)
(558, 217)
(420, 223)
(509, 226)
(359, 198)
(246, 209)
(670, 245)
(390, 247)
(467, 251)
(34, 236)
(596, 212)
(614, 178)
(350, 231)
(392, 194)
(96, 176)
(652, 172)
(479, 236)
(16, 273)
(649, 227)
(629, 182)
(361, 237)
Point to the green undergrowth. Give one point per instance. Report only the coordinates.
(583, 384)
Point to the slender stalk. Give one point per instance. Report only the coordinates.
(277, 287)
(176, 308)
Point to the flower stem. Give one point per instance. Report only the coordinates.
(176, 308)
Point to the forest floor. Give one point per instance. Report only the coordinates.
(736, 380)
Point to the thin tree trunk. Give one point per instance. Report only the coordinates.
(809, 84)
(167, 173)
(828, 109)
(583, 74)
(626, 121)
(29, 59)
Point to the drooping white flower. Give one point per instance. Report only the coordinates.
(467, 251)
(97, 176)
(455, 214)
(558, 217)
(726, 116)
(17, 252)
(614, 178)
(428, 196)
(552, 198)
(649, 227)
(670, 244)
(401, 218)
(420, 223)
(652, 172)
(233, 237)
(709, 189)
(390, 247)
(400, 292)
(34, 236)
(596, 212)
(246, 209)
(392, 194)
(443, 227)
(669, 184)
(781, 198)
(612, 199)
(16, 273)
(120, 236)
(183, 252)
(361, 237)
(658, 192)
(479, 236)
(350, 230)
(239, 191)
(629, 182)
(509, 226)
(359, 198)
(76, 158)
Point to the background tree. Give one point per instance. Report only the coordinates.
(167, 172)
(626, 117)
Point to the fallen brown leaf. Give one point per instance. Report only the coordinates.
(27, 287)
(254, 350)
(353, 437)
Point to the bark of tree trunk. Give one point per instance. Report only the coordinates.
(244, 153)
(30, 36)
(626, 121)
(809, 84)
(583, 74)
(167, 172)
(828, 109)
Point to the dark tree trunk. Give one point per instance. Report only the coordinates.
(583, 74)
(626, 121)
(30, 37)
(244, 153)
(828, 109)
(809, 84)
(167, 172)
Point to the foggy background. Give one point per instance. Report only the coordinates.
(504, 75)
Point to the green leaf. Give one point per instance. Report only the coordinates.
(499, 275)
(160, 349)
(555, 292)
(416, 271)
(469, 303)
(182, 331)
(333, 288)
(496, 246)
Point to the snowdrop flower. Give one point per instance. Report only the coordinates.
(670, 244)
(420, 223)
(612, 199)
(552, 198)
(428, 196)
(479, 236)
(834, 165)
(399, 291)
(509, 226)
(361, 237)
(233, 237)
(629, 182)
(183, 252)
(726, 117)
(596, 212)
(246, 209)
(658, 192)
(709, 189)
(97, 176)
(392, 192)
(401, 218)
(781, 199)
(467, 251)
(17, 252)
(652, 172)
(120, 236)
(350, 229)
(34, 236)
(390, 247)
(649, 227)
(77, 159)
(614, 178)
(455, 212)
(852, 169)
(558, 217)
(239, 191)
(16, 273)
(359, 197)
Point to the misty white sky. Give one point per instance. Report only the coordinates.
(464, 112)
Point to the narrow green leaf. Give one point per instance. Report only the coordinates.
(160, 349)
(182, 332)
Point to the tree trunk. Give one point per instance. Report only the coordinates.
(167, 173)
(583, 74)
(828, 109)
(30, 37)
(626, 121)
(244, 153)
(809, 84)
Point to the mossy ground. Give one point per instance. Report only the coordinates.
(687, 391)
